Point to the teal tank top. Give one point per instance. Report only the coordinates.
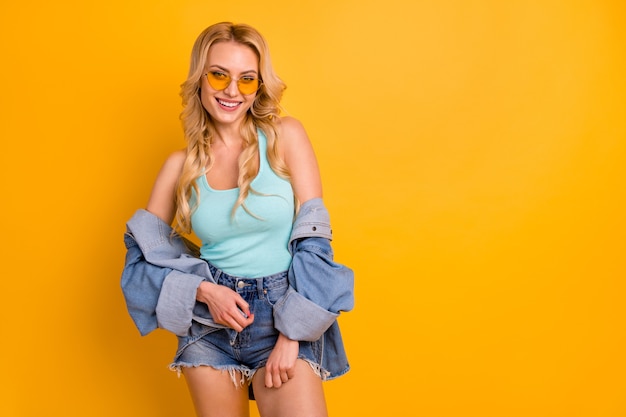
(245, 245)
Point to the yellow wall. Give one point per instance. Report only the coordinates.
(473, 155)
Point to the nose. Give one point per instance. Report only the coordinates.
(233, 89)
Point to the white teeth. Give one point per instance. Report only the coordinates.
(227, 104)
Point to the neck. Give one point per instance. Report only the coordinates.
(228, 134)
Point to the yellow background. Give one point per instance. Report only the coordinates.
(473, 157)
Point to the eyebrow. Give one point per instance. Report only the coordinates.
(227, 70)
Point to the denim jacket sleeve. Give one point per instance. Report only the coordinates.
(160, 276)
(141, 285)
(319, 287)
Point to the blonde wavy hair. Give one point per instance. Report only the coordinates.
(199, 128)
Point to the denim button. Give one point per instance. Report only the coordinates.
(241, 284)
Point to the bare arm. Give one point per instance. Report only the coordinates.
(300, 159)
(162, 199)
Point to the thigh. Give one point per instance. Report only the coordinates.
(214, 393)
(302, 395)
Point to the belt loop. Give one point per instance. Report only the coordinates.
(259, 287)
(217, 274)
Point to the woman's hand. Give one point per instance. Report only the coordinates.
(225, 305)
(281, 363)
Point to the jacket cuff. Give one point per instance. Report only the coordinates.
(177, 299)
(313, 220)
(301, 319)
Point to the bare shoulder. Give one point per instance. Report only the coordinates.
(163, 196)
(291, 129)
(293, 136)
(289, 124)
(175, 161)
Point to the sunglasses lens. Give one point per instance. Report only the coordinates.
(248, 85)
(218, 80)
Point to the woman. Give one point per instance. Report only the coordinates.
(238, 185)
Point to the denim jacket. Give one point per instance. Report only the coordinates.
(162, 272)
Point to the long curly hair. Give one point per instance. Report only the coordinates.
(199, 128)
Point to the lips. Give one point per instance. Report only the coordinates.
(228, 104)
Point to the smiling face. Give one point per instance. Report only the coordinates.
(237, 61)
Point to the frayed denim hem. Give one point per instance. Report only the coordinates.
(239, 375)
(317, 368)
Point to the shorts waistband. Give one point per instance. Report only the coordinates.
(251, 284)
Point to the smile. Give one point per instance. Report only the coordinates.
(228, 104)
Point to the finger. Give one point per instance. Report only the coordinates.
(237, 324)
(243, 307)
(268, 380)
(277, 381)
(284, 377)
(232, 323)
(240, 321)
(276, 377)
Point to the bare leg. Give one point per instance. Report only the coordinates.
(301, 396)
(214, 394)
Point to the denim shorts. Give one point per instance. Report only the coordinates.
(248, 350)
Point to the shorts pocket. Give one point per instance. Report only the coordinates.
(274, 294)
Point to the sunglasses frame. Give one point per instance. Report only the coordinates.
(230, 81)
